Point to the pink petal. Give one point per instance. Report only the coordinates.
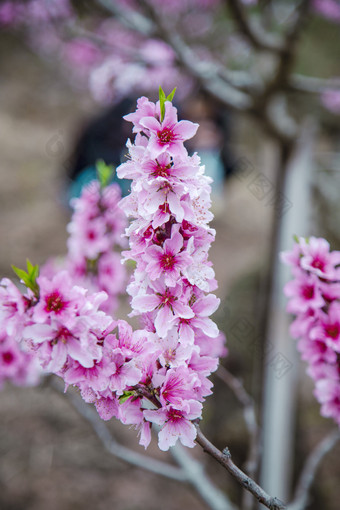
(163, 321)
(186, 129)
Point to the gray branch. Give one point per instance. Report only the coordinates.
(309, 471)
(190, 471)
(249, 415)
(219, 83)
(224, 458)
(250, 419)
(129, 17)
(111, 445)
(313, 85)
(196, 475)
(255, 34)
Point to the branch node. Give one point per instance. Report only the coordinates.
(226, 452)
(276, 504)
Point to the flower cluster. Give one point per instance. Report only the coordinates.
(59, 329)
(314, 298)
(95, 229)
(158, 374)
(17, 365)
(37, 11)
(95, 232)
(173, 280)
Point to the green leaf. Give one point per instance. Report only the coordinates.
(20, 272)
(171, 95)
(104, 172)
(29, 278)
(163, 98)
(296, 239)
(29, 266)
(126, 395)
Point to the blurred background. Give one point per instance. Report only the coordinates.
(64, 86)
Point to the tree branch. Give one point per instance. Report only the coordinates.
(312, 85)
(309, 470)
(224, 458)
(208, 74)
(256, 36)
(111, 445)
(249, 414)
(196, 475)
(191, 470)
(129, 17)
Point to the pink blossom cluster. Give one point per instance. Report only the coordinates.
(329, 9)
(37, 11)
(314, 298)
(63, 332)
(158, 374)
(171, 288)
(330, 99)
(17, 365)
(96, 230)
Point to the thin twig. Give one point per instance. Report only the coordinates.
(196, 475)
(214, 80)
(129, 17)
(309, 470)
(288, 51)
(249, 414)
(111, 445)
(191, 470)
(312, 85)
(256, 36)
(224, 458)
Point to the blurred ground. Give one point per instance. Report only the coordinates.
(49, 457)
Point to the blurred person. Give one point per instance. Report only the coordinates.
(105, 138)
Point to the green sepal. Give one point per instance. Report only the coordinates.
(126, 395)
(296, 238)
(163, 98)
(104, 172)
(171, 95)
(29, 278)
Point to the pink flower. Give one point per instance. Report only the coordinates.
(305, 292)
(330, 9)
(331, 98)
(329, 328)
(176, 423)
(144, 109)
(61, 343)
(169, 134)
(57, 298)
(177, 386)
(317, 258)
(167, 303)
(168, 260)
(12, 307)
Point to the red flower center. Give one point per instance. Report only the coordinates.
(308, 292)
(165, 136)
(332, 331)
(167, 261)
(318, 264)
(7, 357)
(167, 299)
(91, 235)
(54, 302)
(175, 415)
(161, 171)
